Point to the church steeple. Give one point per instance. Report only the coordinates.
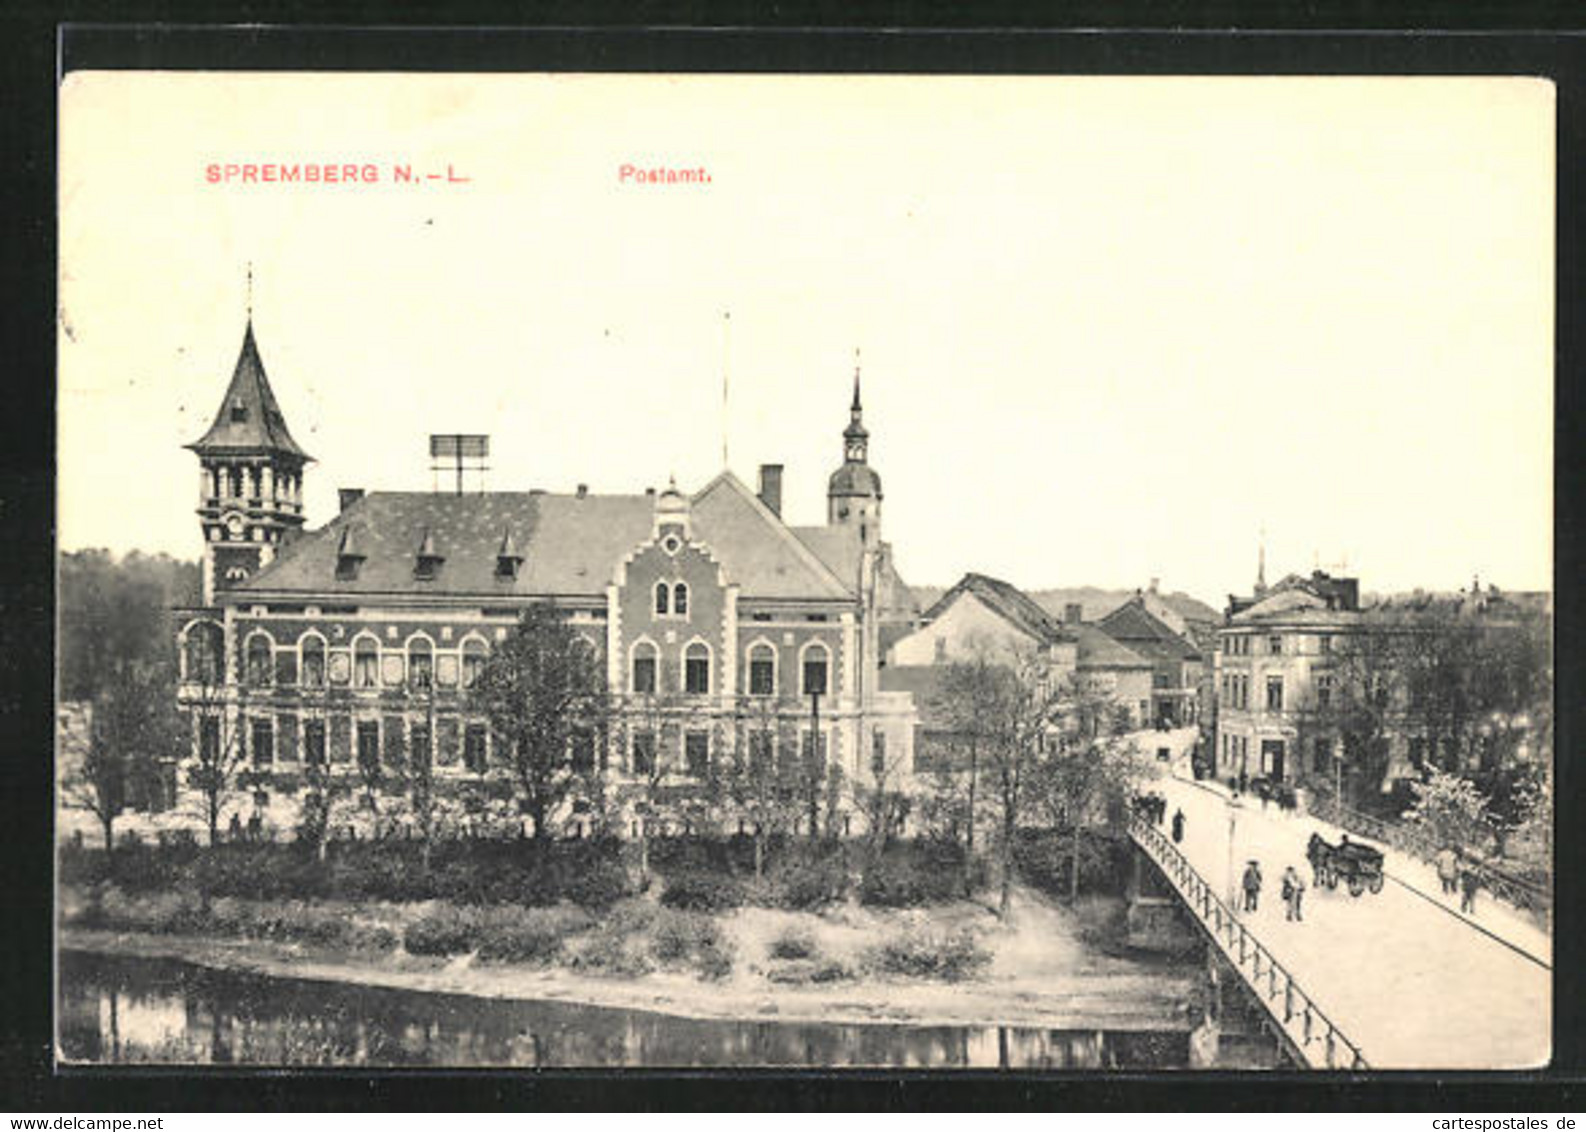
(853, 494)
(251, 475)
(856, 440)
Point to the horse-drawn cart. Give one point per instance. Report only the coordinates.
(1358, 866)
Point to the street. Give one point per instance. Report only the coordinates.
(1413, 984)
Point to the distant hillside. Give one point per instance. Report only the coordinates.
(1095, 601)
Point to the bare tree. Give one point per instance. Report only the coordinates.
(219, 756)
(133, 728)
(1006, 704)
(758, 779)
(1089, 769)
(539, 689)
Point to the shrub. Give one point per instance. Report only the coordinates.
(793, 943)
(909, 876)
(450, 932)
(1044, 858)
(806, 881)
(528, 935)
(699, 891)
(613, 954)
(923, 955)
(679, 935)
(715, 960)
(600, 883)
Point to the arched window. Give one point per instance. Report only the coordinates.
(474, 656)
(203, 652)
(661, 604)
(816, 661)
(313, 662)
(421, 662)
(260, 661)
(696, 669)
(645, 659)
(366, 663)
(762, 669)
(680, 600)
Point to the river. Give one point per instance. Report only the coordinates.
(131, 1009)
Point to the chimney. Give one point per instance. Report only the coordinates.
(1154, 582)
(771, 488)
(583, 491)
(348, 496)
(1073, 613)
(650, 492)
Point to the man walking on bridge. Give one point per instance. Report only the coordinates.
(1252, 885)
(1293, 893)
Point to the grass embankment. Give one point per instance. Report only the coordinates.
(819, 936)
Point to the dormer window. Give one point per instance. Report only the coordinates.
(349, 558)
(507, 558)
(239, 412)
(429, 560)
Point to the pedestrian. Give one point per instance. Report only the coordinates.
(1293, 893)
(1252, 885)
(1448, 869)
(1469, 882)
(234, 830)
(1178, 826)
(1244, 783)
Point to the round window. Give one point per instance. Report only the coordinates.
(671, 544)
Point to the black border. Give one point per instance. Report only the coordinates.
(719, 38)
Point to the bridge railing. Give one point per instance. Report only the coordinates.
(1284, 1000)
(1418, 843)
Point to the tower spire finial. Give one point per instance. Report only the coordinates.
(1261, 562)
(856, 406)
(250, 290)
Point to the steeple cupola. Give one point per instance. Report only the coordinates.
(853, 494)
(250, 498)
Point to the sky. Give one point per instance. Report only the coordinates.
(1111, 329)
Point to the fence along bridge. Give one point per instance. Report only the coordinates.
(1308, 1035)
(1393, 980)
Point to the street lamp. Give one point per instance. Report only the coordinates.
(1234, 806)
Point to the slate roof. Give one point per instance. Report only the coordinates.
(839, 548)
(1134, 626)
(758, 550)
(1008, 602)
(570, 545)
(1098, 650)
(262, 427)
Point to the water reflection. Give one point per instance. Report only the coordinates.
(125, 1009)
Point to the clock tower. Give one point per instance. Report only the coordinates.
(250, 496)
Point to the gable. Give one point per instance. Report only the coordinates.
(756, 548)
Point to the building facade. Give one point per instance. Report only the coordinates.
(1273, 663)
(986, 618)
(1177, 665)
(359, 641)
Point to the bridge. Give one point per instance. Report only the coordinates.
(1399, 979)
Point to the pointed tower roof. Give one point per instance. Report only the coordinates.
(856, 425)
(249, 419)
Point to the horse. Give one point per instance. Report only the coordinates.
(1316, 852)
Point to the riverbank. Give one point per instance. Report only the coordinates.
(1044, 971)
